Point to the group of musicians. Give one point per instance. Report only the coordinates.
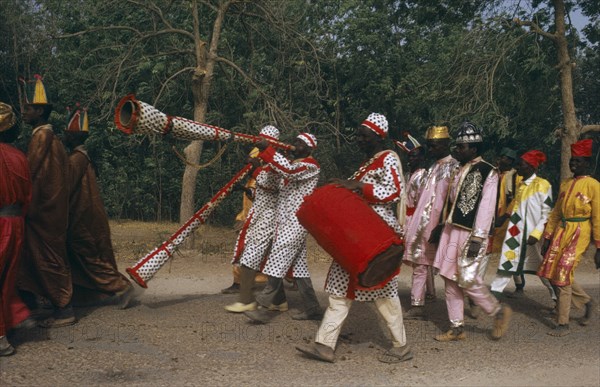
(443, 216)
(452, 216)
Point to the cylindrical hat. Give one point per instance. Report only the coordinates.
(437, 133)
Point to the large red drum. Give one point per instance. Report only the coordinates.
(345, 226)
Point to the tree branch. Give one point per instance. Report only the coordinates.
(164, 85)
(535, 28)
(590, 128)
(153, 8)
(95, 29)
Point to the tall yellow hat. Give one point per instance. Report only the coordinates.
(85, 124)
(437, 133)
(37, 96)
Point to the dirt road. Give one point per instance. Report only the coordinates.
(178, 333)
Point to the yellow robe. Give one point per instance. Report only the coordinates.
(246, 201)
(572, 223)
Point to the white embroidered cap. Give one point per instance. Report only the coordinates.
(309, 139)
(377, 123)
(270, 132)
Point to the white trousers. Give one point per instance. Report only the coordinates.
(502, 280)
(337, 311)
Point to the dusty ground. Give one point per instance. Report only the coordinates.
(177, 333)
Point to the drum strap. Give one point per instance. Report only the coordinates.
(366, 165)
(401, 208)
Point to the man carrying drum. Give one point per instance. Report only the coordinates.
(379, 182)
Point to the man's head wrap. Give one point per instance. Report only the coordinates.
(309, 139)
(7, 117)
(377, 123)
(534, 158)
(270, 132)
(582, 148)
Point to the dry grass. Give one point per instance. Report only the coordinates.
(133, 240)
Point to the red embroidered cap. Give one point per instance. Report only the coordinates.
(582, 148)
(534, 158)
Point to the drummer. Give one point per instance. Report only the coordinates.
(379, 182)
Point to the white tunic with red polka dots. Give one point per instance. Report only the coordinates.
(382, 187)
(299, 179)
(255, 237)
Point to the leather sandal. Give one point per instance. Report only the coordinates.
(453, 334)
(318, 351)
(396, 355)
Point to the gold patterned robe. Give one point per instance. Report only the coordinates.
(573, 222)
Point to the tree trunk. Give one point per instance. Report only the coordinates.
(570, 133)
(201, 81)
(192, 153)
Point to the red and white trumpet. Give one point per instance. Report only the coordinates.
(146, 268)
(133, 116)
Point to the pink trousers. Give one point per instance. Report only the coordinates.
(478, 293)
(422, 284)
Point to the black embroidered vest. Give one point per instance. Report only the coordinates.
(469, 196)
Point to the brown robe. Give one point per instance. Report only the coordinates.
(44, 265)
(95, 273)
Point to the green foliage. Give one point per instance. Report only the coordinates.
(302, 65)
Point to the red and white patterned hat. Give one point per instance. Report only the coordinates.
(309, 139)
(377, 123)
(270, 132)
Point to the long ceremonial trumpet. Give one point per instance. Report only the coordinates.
(145, 268)
(133, 116)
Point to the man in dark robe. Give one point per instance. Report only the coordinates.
(96, 278)
(45, 270)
